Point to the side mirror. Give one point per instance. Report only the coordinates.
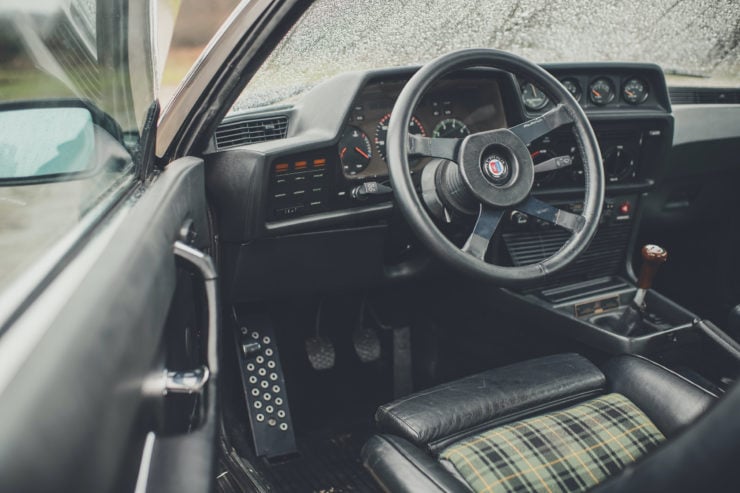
(47, 141)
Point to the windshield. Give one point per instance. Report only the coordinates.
(696, 42)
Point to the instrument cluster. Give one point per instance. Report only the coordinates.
(454, 107)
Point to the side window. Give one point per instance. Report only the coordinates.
(67, 134)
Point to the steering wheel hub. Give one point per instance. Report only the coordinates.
(497, 167)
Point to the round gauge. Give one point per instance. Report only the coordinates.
(601, 91)
(635, 91)
(355, 150)
(540, 156)
(573, 87)
(451, 128)
(381, 131)
(533, 97)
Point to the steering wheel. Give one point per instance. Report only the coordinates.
(491, 173)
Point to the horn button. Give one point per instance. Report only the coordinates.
(497, 167)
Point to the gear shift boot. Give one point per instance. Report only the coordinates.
(625, 321)
(631, 321)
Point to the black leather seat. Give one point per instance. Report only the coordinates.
(427, 440)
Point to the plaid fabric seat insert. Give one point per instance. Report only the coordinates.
(569, 450)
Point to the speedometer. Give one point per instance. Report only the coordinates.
(381, 131)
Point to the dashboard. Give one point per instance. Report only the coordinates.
(290, 208)
(288, 222)
(335, 140)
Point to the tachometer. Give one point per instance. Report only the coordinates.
(533, 97)
(635, 91)
(355, 150)
(601, 91)
(451, 128)
(381, 131)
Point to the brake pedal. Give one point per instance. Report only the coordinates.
(320, 352)
(319, 349)
(263, 382)
(367, 344)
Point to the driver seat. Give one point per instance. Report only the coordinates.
(555, 424)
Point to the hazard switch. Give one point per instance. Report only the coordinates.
(625, 208)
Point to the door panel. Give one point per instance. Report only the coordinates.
(72, 366)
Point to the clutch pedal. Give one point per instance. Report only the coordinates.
(264, 387)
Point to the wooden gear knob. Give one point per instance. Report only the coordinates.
(652, 257)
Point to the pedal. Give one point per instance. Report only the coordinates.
(320, 352)
(264, 387)
(367, 344)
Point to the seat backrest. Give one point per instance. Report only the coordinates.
(703, 457)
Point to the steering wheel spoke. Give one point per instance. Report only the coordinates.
(542, 210)
(432, 147)
(478, 241)
(535, 128)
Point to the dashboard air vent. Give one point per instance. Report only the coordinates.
(703, 95)
(238, 132)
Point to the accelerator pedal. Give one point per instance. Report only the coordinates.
(367, 344)
(263, 382)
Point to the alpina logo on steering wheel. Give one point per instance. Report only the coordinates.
(496, 169)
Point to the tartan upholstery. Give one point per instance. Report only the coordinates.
(569, 450)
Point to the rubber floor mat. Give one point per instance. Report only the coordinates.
(327, 464)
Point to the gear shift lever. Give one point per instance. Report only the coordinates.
(652, 258)
(631, 319)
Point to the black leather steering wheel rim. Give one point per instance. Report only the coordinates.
(411, 205)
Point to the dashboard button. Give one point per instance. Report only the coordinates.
(282, 167)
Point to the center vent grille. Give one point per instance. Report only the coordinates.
(243, 132)
(604, 256)
(703, 95)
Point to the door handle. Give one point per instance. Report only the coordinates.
(204, 264)
(194, 381)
